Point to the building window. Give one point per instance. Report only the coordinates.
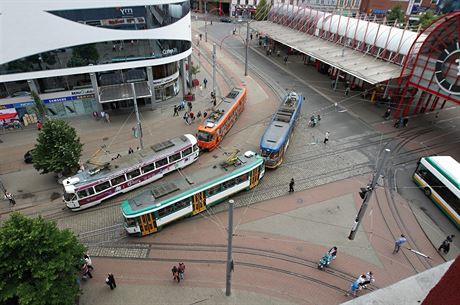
(128, 18)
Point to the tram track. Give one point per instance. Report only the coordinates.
(242, 254)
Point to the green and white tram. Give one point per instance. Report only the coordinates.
(179, 196)
(439, 177)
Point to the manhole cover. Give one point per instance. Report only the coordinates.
(105, 139)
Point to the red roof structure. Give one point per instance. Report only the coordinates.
(447, 291)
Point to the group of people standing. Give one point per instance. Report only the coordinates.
(361, 282)
(101, 115)
(178, 272)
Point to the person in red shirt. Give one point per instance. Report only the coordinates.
(39, 125)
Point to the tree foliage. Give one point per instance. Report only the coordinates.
(262, 10)
(58, 148)
(39, 263)
(39, 106)
(83, 55)
(427, 18)
(396, 14)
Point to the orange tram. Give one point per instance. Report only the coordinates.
(213, 129)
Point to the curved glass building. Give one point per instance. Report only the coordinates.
(83, 56)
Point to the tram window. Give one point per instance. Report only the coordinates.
(181, 204)
(228, 184)
(174, 157)
(130, 222)
(165, 211)
(133, 174)
(204, 136)
(85, 193)
(102, 186)
(214, 190)
(118, 180)
(187, 152)
(148, 168)
(241, 178)
(161, 162)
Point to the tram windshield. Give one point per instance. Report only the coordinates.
(205, 136)
(69, 196)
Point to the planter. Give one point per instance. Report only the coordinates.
(189, 97)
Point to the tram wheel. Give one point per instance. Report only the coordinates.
(427, 191)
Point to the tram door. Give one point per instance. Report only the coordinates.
(199, 203)
(147, 224)
(254, 177)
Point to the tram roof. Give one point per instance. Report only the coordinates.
(221, 109)
(179, 185)
(362, 66)
(277, 131)
(448, 166)
(127, 162)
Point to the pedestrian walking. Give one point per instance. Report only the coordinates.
(445, 246)
(205, 82)
(399, 242)
(250, 36)
(201, 36)
(86, 272)
(285, 59)
(333, 84)
(110, 280)
(175, 272)
(130, 150)
(347, 91)
(39, 125)
(107, 118)
(189, 105)
(186, 118)
(10, 198)
(354, 288)
(291, 185)
(326, 137)
(192, 117)
(205, 114)
(103, 115)
(198, 115)
(181, 270)
(369, 279)
(176, 113)
(89, 262)
(387, 113)
(134, 130)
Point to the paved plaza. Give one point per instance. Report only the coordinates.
(279, 237)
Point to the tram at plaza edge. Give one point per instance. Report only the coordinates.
(180, 195)
(439, 177)
(275, 140)
(213, 128)
(97, 183)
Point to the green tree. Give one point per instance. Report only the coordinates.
(83, 55)
(39, 107)
(262, 10)
(39, 263)
(427, 19)
(396, 13)
(58, 148)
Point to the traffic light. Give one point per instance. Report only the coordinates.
(363, 192)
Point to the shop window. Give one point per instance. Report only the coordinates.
(174, 157)
(187, 152)
(118, 180)
(148, 168)
(161, 162)
(103, 186)
(133, 174)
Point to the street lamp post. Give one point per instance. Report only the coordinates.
(139, 126)
(205, 23)
(214, 69)
(228, 288)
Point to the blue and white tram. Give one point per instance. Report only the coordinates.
(275, 139)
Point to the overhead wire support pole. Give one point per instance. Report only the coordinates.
(205, 23)
(214, 69)
(368, 194)
(228, 288)
(139, 126)
(247, 47)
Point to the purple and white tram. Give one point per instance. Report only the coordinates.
(95, 184)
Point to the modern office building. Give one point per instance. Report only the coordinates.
(82, 56)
